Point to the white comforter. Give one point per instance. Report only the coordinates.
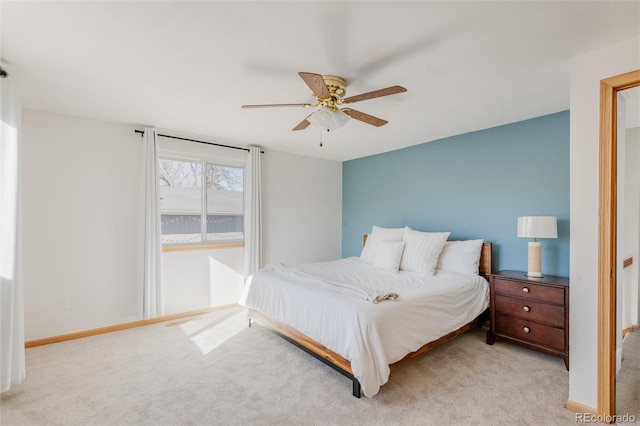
(330, 302)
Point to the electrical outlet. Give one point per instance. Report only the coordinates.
(63, 303)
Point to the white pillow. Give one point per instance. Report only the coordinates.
(388, 255)
(461, 256)
(379, 234)
(421, 250)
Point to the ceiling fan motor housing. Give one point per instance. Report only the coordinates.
(337, 86)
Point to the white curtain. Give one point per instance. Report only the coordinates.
(152, 246)
(12, 368)
(253, 213)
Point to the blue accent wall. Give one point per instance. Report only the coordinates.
(474, 185)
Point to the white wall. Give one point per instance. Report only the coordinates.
(628, 189)
(302, 202)
(80, 211)
(199, 279)
(80, 204)
(631, 232)
(586, 72)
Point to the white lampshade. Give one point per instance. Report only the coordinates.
(537, 227)
(327, 119)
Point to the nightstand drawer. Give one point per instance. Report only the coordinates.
(530, 332)
(529, 291)
(530, 310)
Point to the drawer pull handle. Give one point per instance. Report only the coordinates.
(526, 308)
(526, 329)
(525, 289)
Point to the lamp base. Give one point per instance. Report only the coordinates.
(534, 268)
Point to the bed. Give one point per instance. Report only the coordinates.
(361, 315)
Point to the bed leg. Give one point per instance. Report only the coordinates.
(356, 388)
(250, 321)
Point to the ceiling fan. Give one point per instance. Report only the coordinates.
(329, 91)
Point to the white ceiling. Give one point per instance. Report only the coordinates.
(188, 66)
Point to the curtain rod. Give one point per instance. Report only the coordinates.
(197, 141)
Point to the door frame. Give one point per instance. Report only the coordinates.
(607, 225)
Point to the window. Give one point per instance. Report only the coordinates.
(200, 202)
(225, 203)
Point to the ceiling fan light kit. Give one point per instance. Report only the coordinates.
(329, 91)
(328, 119)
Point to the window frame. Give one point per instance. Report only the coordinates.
(203, 160)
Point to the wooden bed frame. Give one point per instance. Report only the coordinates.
(342, 365)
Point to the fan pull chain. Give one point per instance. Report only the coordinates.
(321, 132)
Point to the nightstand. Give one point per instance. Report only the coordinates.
(532, 312)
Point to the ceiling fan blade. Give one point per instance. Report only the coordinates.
(316, 84)
(304, 123)
(276, 105)
(375, 94)
(365, 118)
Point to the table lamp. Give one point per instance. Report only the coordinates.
(536, 227)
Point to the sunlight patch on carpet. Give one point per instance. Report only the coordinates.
(209, 333)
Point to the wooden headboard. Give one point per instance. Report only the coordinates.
(486, 259)
(485, 256)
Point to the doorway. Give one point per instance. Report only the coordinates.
(607, 241)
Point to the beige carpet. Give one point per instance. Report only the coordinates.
(628, 380)
(216, 370)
